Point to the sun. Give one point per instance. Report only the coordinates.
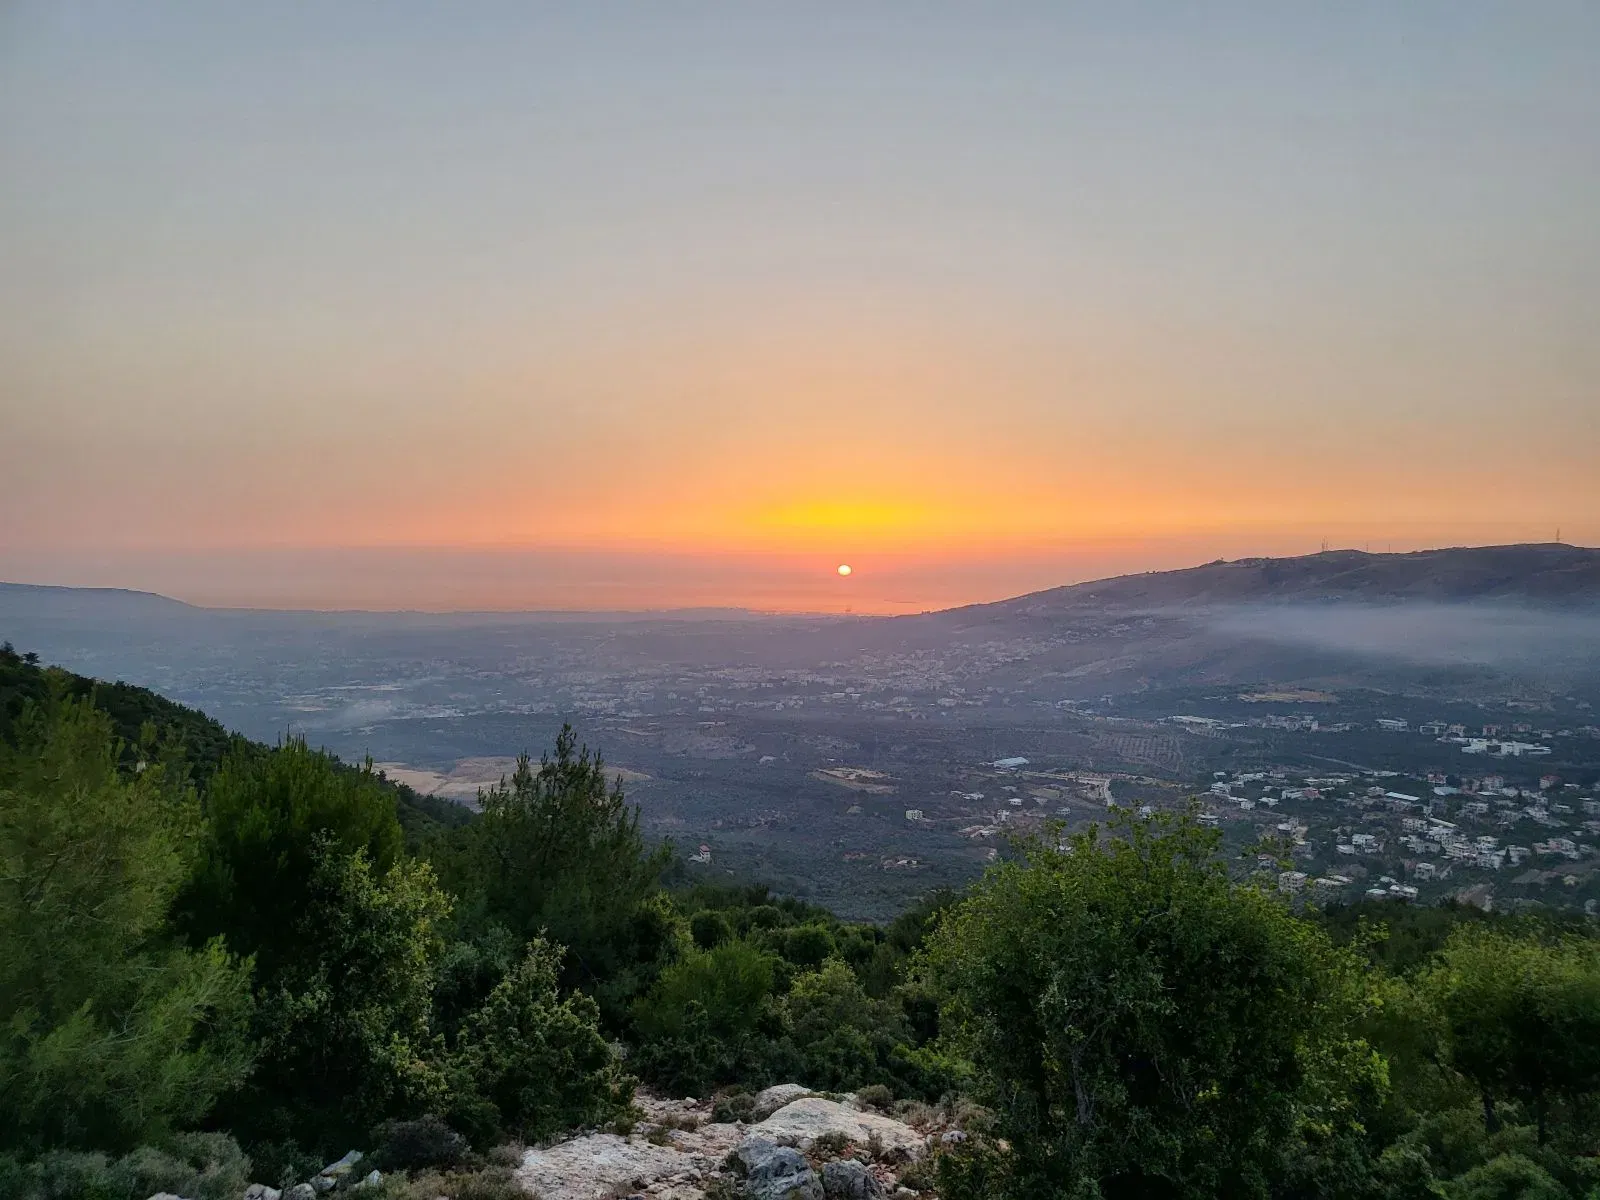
(844, 568)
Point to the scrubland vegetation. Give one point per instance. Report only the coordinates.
(221, 962)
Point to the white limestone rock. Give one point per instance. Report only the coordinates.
(803, 1121)
(773, 1098)
(604, 1165)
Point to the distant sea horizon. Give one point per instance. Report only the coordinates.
(578, 580)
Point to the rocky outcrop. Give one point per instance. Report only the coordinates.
(342, 1175)
(607, 1164)
(773, 1172)
(671, 1156)
(805, 1120)
(775, 1097)
(676, 1153)
(849, 1179)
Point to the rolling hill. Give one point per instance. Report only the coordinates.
(1549, 574)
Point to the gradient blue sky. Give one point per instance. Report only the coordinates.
(976, 297)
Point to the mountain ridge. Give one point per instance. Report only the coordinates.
(64, 591)
(1540, 573)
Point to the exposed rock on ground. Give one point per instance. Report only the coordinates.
(603, 1165)
(606, 1164)
(676, 1153)
(340, 1176)
(849, 1179)
(773, 1172)
(775, 1097)
(809, 1118)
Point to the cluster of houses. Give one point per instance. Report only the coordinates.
(1434, 836)
(1421, 835)
(1489, 741)
(1326, 886)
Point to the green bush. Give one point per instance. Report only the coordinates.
(488, 1183)
(531, 1063)
(1520, 1017)
(344, 1027)
(284, 1163)
(728, 983)
(271, 819)
(709, 929)
(425, 1141)
(556, 853)
(1507, 1177)
(806, 946)
(875, 1096)
(1139, 1021)
(111, 1033)
(735, 1106)
(764, 916)
(197, 1166)
(843, 1038)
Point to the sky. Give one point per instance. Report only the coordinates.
(643, 305)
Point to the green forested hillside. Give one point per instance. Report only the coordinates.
(189, 739)
(221, 961)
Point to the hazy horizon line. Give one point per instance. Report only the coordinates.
(872, 605)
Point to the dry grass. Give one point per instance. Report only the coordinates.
(490, 1183)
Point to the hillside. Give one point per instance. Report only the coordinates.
(1550, 574)
(46, 600)
(200, 742)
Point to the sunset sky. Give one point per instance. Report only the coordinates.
(643, 305)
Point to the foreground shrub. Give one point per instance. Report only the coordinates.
(875, 1096)
(110, 1033)
(345, 1028)
(490, 1183)
(198, 1166)
(1142, 1025)
(735, 1106)
(1521, 1018)
(1508, 1177)
(424, 1142)
(727, 983)
(844, 1039)
(531, 1063)
(557, 853)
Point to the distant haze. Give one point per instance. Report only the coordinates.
(1496, 635)
(499, 305)
(446, 579)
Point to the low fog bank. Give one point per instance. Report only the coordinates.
(1507, 637)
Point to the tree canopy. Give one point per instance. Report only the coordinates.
(111, 1031)
(1142, 1023)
